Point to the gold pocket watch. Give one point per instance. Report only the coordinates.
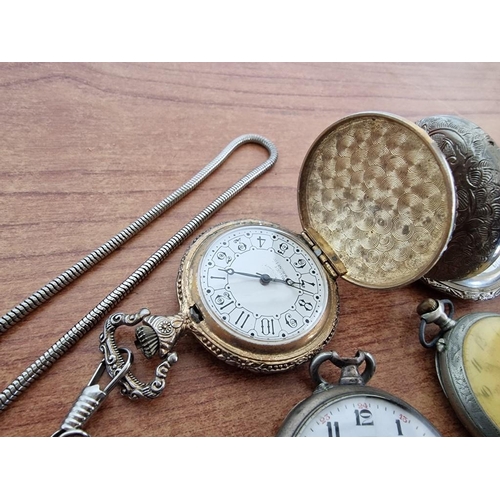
(377, 205)
(467, 363)
(350, 409)
(254, 294)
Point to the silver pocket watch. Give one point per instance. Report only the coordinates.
(350, 408)
(467, 363)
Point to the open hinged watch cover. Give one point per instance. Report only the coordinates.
(378, 196)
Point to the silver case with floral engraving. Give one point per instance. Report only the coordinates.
(451, 373)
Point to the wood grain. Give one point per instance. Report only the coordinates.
(87, 148)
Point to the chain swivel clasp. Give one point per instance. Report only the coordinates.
(91, 398)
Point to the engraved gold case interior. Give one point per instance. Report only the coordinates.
(230, 346)
(380, 193)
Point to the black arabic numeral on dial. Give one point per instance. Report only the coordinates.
(283, 247)
(290, 321)
(304, 283)
(398, 425)
(267, 326)
(301, 263)
(330, 430)
(243, 319)
(306, 305)
(363, 417)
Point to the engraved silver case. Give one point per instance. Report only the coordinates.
(451, 373)
(469, 267)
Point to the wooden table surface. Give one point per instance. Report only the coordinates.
(87, 148)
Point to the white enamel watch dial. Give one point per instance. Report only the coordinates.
(350, 409)
(263, 284)
(365, 415)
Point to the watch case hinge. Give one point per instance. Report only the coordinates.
(330, 260)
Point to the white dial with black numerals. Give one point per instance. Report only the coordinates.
(349, 408)
(262, 283)
(365, 415)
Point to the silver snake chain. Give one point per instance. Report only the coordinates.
(46, 360)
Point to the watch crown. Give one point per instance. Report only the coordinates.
(427, 306)
(147, 340)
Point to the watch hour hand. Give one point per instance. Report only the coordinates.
(288, 281)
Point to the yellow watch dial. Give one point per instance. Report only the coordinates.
(481, 358)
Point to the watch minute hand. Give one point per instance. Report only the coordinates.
(231, 271)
